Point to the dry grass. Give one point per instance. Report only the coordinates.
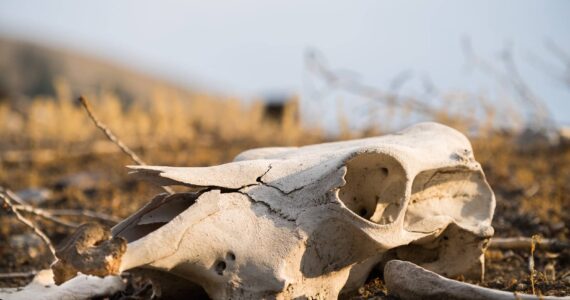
(50, 140)
(167, 119)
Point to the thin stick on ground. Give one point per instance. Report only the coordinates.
(51, 214)
(113, 138)
(109, 133)
(43, 214)
(516, 243)
(535, 239)
(18, 274)
(86, 213)
(12, 195)
(37, 231)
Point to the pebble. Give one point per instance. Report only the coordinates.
(81, 181)
(34, 196)
(28, 242)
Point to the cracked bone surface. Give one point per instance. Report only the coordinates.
(314, 221)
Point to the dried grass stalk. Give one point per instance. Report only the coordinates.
(8, 201)
(113, 138)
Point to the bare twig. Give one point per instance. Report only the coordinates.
(44, 214)
(334, 79)
(559, 71)
(86, 213)
(555, 49)
(109, 133)
(7, 199)
(22, 206)
(526, 243)
(537, 105)
(18, 274)
(51, 214)
(114, 138)
(540, 116)
(534, 240)
(12, 195)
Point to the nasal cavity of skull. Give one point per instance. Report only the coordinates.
(374, 187)
(457, 193)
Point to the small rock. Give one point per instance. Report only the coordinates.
(558, 226)
(81, 181)
(532, 139)
(28, 242)
(24, 240)
(34, 196)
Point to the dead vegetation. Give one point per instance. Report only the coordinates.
(66, 173)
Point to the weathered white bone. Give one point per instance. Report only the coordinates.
(409, 281)
(313, 221)
(308, 222)
(78, 288)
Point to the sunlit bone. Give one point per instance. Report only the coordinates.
(313, 221)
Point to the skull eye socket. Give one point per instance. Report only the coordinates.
(375, 187)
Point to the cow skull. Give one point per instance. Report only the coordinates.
(313, 221)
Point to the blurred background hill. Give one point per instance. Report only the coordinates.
(32, 69)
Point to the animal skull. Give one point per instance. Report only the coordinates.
(313, 221)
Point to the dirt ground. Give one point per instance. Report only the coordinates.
(531, 183)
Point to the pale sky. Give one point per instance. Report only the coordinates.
(253, 47)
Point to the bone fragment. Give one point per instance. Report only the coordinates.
(409, 281)
(79, 288)
(8, 199)
(90, 250)
(525, 243)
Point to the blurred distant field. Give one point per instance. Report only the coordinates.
(55, 158)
